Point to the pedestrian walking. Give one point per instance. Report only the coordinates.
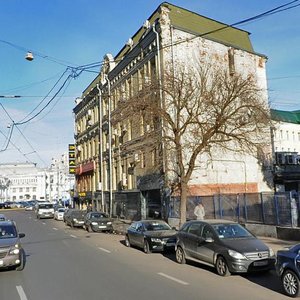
(199, 211)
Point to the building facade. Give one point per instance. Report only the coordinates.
(286, 148)
(120, 168)
(24, 181)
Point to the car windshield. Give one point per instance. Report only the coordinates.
(231, 231)
(7, 231)
(77, 214)
(96, 216)
(61, 210)
(155, 226)
(45, 206)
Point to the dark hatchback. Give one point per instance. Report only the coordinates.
(151, 235)
(225, 245)
(288, 268)
(74, 217)
(97, 222)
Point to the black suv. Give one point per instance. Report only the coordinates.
(97, 222)
(225, 245)
(11, 251)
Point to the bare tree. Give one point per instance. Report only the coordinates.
(200, 111)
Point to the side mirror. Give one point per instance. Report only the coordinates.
(21, 235)
(209, 240)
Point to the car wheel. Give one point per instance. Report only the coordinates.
(180, 256)
(21, 266)
(147, 249)
(290, 282)
(222, 267)
(127, 242)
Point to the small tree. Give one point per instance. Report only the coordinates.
(201, 111)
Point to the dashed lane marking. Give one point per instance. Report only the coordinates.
(73, 236)
(21, 292)
(104, 250)
(173, 278)
(54, 228)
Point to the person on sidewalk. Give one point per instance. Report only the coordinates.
(294, 212)
(199, 211)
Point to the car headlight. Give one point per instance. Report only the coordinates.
(108, 223)
(94, 223)
(156, 240)
(14, 250)
(75, 220)
(271, 252)
(236, 255)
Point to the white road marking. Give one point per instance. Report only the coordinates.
(54, 228)
(173, 278)
(104, 250)
(73, 236)
(43, 223)
(21, 292)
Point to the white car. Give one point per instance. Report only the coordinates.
(59, 214)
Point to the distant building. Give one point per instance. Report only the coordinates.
(24, 181)
(286, 148)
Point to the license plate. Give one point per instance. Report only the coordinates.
(102, 226)
(260, 263)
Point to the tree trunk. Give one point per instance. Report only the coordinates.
(183, 198)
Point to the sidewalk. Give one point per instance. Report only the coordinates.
(277, 244)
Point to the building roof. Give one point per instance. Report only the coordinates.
(286, 116)
(193, 23)
(198, 25)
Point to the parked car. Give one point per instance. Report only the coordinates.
(44, 210)
(225, 245)
(97, 222)
(2, 217)
(151, 235)
(59, 213)
(74, 217)
(288, 268)
(12, 253)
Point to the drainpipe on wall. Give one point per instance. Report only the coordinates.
(109, 147)
(100, 149)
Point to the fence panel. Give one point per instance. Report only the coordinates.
(254, 208)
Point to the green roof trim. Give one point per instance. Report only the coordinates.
(198, 25)
(286, 116)
(201, 25)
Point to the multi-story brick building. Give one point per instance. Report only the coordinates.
(118, 165)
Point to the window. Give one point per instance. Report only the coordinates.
(195, 229)
(207, 232)
(231, 61)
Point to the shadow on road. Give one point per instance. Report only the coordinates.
(268, 280)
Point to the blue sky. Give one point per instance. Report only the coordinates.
(78, 32)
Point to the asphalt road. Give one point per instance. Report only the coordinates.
(64, 263)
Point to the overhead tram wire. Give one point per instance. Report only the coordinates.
(76, 71)
(10, 135)
(40, 103)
